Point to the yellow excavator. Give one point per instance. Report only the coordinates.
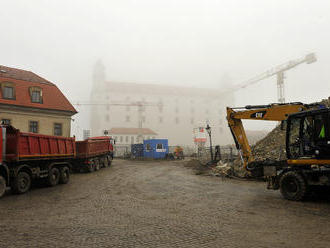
(307, 146)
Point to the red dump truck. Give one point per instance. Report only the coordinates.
(27, 156)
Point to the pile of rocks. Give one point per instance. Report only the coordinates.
(271, 147)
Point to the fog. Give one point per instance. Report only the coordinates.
(182, 42)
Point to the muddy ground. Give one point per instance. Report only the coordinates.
(160, 204)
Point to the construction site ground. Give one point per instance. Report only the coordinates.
(160, 204)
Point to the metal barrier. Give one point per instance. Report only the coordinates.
(226, 153)
(122, 151)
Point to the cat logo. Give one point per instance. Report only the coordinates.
(258, 115)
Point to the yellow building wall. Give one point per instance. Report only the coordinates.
(20, 120)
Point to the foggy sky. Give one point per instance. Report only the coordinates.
(177, 42)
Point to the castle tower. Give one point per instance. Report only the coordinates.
(98, 76)
(97, 96)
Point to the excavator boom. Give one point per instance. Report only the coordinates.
(271, 112)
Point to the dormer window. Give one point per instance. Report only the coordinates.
(36, 94)
(8, 90)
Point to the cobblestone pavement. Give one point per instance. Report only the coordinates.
(159, 204)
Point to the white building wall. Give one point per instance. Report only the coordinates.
(179, 116)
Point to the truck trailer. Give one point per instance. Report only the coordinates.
(26, 157)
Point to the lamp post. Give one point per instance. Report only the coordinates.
(208, 129)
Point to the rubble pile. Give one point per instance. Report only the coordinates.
(222, 169)
(271, 147)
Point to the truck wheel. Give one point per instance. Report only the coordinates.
(91, 165)
(293, 186)
(64, 175)
(21, 183)
(53, 177)
(90, 168)
(97, 164)
(105, 162)
(2, 186)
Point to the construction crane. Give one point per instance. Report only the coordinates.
(279, 72)
(140, 108)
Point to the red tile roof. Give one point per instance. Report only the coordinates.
(52, 97)
(122, 130)
(19, 74)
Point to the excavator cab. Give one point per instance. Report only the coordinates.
(308, 134)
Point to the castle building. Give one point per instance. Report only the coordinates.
(170, 111)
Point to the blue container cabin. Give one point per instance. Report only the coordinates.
(155, 148)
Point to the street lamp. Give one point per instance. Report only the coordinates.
(208, 129)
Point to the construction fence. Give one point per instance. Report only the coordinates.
(225, 153)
